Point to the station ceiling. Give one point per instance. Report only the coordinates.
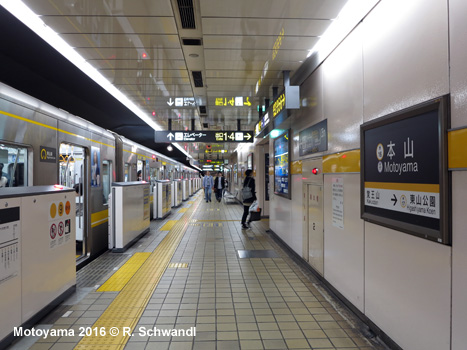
(155, 51)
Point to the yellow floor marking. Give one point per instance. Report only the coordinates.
(196, 220)
(120, 278)
(190, 202)
(168, 225)
(178, 265)
(183, 210)
(130, 303)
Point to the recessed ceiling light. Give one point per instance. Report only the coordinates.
(193, 55)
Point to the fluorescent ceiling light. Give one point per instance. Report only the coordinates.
(350, 15)
(18, 9)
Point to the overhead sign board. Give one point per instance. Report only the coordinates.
(238, 101)
(262, 124)
(404, 171)
(204, 136)
(178, 102)
(314, 139)
(288, 99)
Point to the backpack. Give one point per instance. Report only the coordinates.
(246, 192)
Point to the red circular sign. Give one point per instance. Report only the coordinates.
(53, 231)
(61, 228)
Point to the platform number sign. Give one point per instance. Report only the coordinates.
(404, 171)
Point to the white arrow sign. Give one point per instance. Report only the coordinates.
(170, 136)
(170, 102)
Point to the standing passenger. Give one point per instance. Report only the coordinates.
(249, 182)
(219, 185)
(208, 183)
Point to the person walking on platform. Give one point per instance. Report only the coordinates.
(208, 184)
(249, 196)
(219, 185)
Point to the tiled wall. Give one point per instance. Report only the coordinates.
(403, 53)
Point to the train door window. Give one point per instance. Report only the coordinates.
(139, 170)
(73, 173)
(127, 172)
(106, 179)
(13, 166)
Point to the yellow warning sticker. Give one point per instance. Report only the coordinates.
(60, 209)
(53, 210)
(67, 207)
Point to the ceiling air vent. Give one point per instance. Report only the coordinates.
(192, 42)
(197, 78)
(187, 14)
(202, 109)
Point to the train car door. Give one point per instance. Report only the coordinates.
(73, 163)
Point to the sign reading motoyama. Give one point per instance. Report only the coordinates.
(404, 171)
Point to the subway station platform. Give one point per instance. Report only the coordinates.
(209, 285)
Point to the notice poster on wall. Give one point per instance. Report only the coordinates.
(338, 202)
(282, 166)
(95, 166)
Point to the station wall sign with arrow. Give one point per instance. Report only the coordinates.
(404, 171)
(179, 102)
(204, 136)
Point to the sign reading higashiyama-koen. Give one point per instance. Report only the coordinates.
(404, 176)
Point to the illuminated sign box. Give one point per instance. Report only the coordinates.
(404, 176)
(203, 136)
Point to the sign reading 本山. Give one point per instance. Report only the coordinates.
(314, 139)
(404, 171)
(203, 136)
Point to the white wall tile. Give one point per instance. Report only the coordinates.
(343, 248)
(408, 288)
(343, 94)
(458, 61)
(405, 55)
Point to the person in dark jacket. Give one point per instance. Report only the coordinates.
(249, 182)
(219, 185)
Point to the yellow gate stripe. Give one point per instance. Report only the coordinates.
(130, 303)
(121, 277)
(99, 218)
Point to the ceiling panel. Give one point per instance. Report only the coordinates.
(134, 64)
(146, 41)
(251, 55)
(239, 65)
(272, 8)
(114, 24)
(264, 42)
(112, 53)
(104, 7)
(261, 26)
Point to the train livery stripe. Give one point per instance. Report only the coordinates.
(99, 217)
(120, 278)
(343, 162)
(128, 306)
(52, 128)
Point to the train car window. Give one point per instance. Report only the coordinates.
(106, 179)
(127, 172)
(13, 166)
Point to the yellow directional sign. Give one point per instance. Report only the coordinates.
(238, 101)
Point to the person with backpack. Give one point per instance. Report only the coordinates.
(248, 196)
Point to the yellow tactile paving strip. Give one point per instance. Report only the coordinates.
(178, 265)
(130, 303)
(183, 210)
(168, 225)
(121, 277)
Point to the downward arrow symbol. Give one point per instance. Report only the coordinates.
(170, 102)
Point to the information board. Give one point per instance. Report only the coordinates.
(314, 139)
(203, 136)
(282, 166)
(404, 171)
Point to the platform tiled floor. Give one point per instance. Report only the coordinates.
(234, 303)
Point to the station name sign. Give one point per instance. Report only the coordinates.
(204, 136)
(404, 171)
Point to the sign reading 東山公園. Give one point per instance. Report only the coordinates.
(404, 176)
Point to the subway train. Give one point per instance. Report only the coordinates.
(43, 145)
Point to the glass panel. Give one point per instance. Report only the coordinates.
(106, 179)
(127, 172)
(72, 173)
(13, 166)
